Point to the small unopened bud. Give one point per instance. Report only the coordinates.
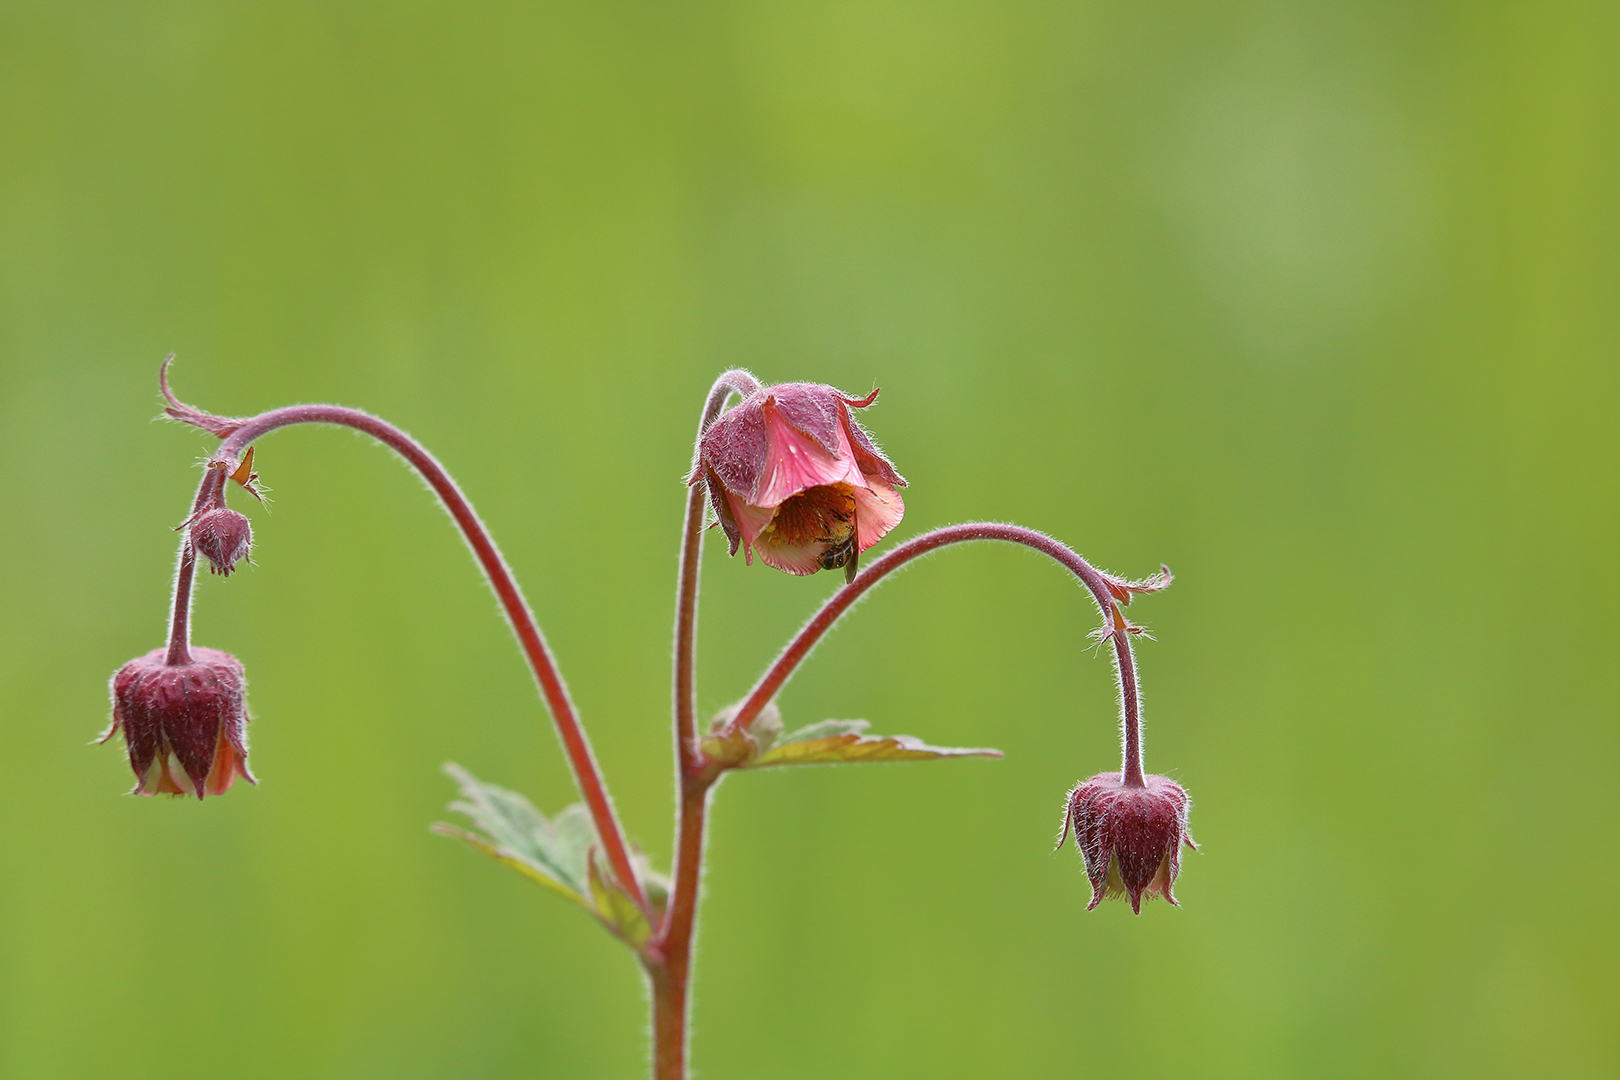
(732, 746)
(185, 725)
(1130, 837)
(223, 537)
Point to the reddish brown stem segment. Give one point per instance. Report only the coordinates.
(672, 976)
(1114, 624)
(210, 490)
(1130, 706)
(670, 969)
(732, 382)
(575, 744)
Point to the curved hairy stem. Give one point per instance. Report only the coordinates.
(239, 435)
(210, 489)
(1102, 590)
(671, 975)
(742, 383)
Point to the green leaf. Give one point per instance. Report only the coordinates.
(834, 742)
(560, 853)
(616, 908)
(553, 851)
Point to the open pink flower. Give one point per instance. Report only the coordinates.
(184, 724)
(791, 475)
(1130, 837)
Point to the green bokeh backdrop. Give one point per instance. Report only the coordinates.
(1315, 302)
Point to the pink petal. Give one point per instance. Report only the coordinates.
(228, 765)
(152, 780)
(795, 461)
(801, 559)
(751, 521)
(878, 509)
(178, 775)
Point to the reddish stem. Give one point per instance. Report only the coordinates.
(563, 714)
(1130, 705)
(735, 381)
(210, 491)
(670, 974)
(1114, 623)
(671, 977)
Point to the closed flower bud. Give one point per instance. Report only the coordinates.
(184, 725)
(223, 537)
(794, 478)
(1130, 837)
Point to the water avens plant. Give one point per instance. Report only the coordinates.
(790, 476)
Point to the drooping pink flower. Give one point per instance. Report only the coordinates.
(1130, 837)
(185, 725)
(792, 476)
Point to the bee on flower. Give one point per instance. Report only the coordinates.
(794, 478)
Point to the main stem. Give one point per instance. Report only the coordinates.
(671, 974)
(669, 966)
(578, 749)
(1115, 625)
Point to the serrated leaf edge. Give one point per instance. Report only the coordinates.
(851, 734)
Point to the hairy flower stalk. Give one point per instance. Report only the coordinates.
(790, 476)
(182, 709)
(670, 974)
(234, 457)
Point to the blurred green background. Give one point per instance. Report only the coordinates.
(1316, 303)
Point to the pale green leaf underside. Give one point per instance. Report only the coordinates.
(833, 742)
(617, 909)
(554, 851)
(558, 852)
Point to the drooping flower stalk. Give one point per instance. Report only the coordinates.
(210, 490)
(670, 975)
(742, 383)
(1108, 591)
(183, 709)
(239, 435)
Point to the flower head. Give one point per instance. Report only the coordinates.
(184, 724)
(1130, 837)
(223, 537)
(793, 477)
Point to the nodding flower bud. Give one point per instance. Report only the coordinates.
(792, 476)
(1130, 837)
(223, 537)
(185, 725)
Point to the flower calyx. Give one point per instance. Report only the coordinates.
(184, 724)
(1130, 836)
(793, 477)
